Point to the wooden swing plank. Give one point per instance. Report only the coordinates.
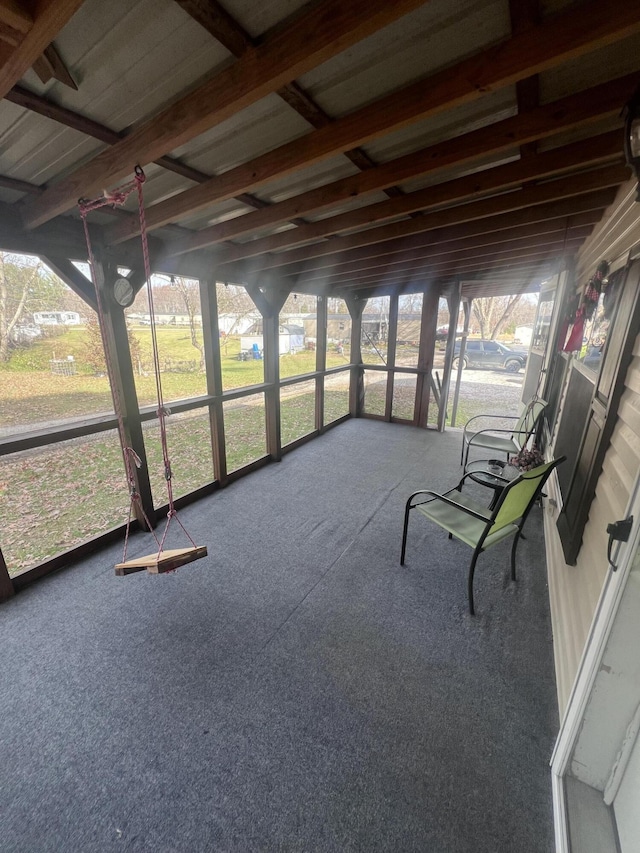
(128, 569)
(166, 561)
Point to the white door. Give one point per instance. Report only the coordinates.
(598, 743)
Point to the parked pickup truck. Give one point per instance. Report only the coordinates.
(489, 354)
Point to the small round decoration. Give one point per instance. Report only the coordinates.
(123, 292)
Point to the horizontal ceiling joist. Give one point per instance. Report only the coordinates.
(477, 249)
(576, 110)
(453, 264)
(223, 27)
(463, 236)
(492, 287)
(49, 17)
(543, 268)
(63, 115)
(327, 28)
(527, 280)
(578, 187)
(568, 35)
(606, 147)
(64, 237)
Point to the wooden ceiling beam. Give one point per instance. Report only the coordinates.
(527, 282)
(493, 287)
(505, 270)
(219, 23)
(327, 29)
(223, 27)
(51, 16)
(568, 35)
(14, 15)
(599, 150)
(512, 202)
(472, 249)
(65, 237)
(19, 186)
(458, 236)
(585, 107)
(525, 14)
(44, 107)
(456, 261)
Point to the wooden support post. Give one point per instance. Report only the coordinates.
(428, 327)
(115, 328)
(271, 356)
(213, 367)
(453, 300)
(6, 585)
(392, 334)
(466, 307)
(269, 305)
(321, 358)
(356, 384)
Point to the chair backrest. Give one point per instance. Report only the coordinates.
(518, 496)
(528, 420)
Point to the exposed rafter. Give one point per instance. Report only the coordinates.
(576, 110)
(556, 198)
(50, 17)
(325, 30)
(217, 21)
(442, 254)
(565, 36)
(554, 231)
(512, 193)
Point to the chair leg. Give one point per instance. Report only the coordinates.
(404, 531)
(516, 539)
(472, 569)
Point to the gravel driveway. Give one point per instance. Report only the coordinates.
(487, 392)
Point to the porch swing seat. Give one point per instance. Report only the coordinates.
(165, 561)
(161, 561)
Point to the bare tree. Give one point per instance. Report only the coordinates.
(299, 303)
(25, 286)
(190, 294)
(94, 346)
(233, 301)
(493, 312)
(410, 303)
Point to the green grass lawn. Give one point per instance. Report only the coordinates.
(30, 393)
(54, 498)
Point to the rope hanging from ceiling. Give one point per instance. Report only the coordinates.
(163, 560)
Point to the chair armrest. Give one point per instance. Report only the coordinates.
(437, 496)
(493, 432)
(421, 492)
(484, 417)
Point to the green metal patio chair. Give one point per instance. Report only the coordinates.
(508, 441)
(474, 524)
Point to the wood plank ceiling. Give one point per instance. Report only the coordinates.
(345, 148)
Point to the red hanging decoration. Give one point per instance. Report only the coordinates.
(586, 307)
